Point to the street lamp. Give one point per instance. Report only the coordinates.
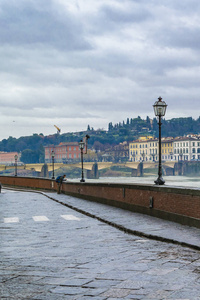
(53, 157)
(159, 109)
(16, 157)
(81, 146)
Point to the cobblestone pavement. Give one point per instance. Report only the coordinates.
(49, 251)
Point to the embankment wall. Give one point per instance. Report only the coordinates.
(181, 205)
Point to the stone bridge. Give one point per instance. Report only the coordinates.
(92, 169)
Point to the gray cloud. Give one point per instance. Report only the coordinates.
(40, 23)
(75, 63)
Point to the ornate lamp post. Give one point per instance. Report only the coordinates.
(53, 157)
(16, 157)
(159, 109)
(81, 146)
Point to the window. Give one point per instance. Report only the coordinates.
(193, 144)
(69, 148)
(74, 148)
(193, 150)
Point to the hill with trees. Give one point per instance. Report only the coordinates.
(32, 147)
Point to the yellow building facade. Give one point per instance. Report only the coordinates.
(147, 149)
(167, 148)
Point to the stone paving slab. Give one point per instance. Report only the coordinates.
(83, 258)
(138, 223)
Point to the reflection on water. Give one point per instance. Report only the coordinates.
(182, 181)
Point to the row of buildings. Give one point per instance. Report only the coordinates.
(145, 149)
(173, 149)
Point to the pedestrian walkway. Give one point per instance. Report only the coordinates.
(135, 223)
(69, 252)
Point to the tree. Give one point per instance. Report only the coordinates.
(29, 156)
(110, 126)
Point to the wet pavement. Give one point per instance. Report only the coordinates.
(135, 223)
(49, 251)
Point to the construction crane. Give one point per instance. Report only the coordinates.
(58, 129)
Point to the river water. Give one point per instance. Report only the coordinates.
(178, 181)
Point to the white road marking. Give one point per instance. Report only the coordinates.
(40, 218)
(11, 220)
(70, 218)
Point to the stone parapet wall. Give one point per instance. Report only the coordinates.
(181, 205)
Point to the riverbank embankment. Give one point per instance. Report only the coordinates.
(181, 205)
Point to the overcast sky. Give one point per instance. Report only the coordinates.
(73, 63)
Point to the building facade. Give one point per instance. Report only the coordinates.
(172, 149)
(9, 157)
(64, 152)
(187, 148)
(117, 153)
(144, 149)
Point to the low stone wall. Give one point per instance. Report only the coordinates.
(181, 205)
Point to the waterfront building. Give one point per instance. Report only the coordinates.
(187, 148)
(64, 152)
(173, 149)
(153, 149)
(141, 149)
(167, 146)
(9, 157)
(146, 149)
(117, 153)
